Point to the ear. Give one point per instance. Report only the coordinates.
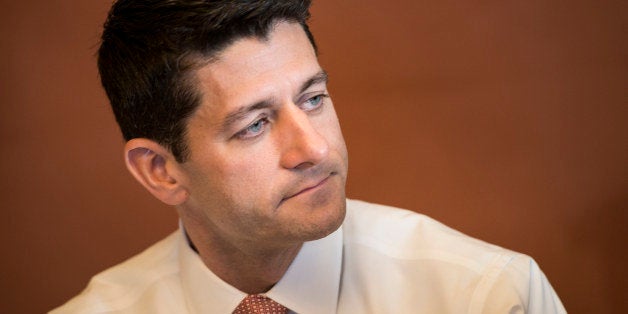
(156, 169)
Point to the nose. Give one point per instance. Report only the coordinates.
(302, 144)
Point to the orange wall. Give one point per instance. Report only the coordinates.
(504, 119)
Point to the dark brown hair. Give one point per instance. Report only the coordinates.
(150, 47)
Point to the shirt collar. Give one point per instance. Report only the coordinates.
(311, 284)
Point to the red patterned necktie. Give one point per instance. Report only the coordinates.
(259, 304)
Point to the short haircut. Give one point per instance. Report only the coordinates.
(151, 48)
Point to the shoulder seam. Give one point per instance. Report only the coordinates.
(478, 298)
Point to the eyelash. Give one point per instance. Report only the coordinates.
(263, 121)
(319, 104)
(244, 134)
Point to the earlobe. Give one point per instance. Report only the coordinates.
(155, 168)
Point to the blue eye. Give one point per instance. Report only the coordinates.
(313, 103)
(254, 129)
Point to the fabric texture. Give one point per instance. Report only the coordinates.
(259, 304)
(382, 260)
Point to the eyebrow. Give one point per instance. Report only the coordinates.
(240, 113)
(320, 77)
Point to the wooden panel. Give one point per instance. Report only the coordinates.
(506, 120)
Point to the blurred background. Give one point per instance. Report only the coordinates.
(507, 120)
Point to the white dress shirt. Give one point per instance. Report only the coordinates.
(382, 260)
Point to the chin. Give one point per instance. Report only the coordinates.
(324, 222)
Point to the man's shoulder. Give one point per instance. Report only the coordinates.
(404, 234)
(403, 250)
(122, 286)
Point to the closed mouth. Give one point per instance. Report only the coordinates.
(320, 183)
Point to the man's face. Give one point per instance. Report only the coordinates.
(268, 162)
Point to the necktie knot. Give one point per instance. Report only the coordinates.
(259, 304)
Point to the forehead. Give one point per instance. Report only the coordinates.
(252, 67)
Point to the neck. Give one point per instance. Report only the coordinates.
(250, 267)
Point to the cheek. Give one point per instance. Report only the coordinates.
(237, 184)
(251, 171)
(330, 129)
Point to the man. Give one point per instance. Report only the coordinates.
(227, 117)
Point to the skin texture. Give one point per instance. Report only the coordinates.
(268, 162)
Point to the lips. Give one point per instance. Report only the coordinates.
(309, 187)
